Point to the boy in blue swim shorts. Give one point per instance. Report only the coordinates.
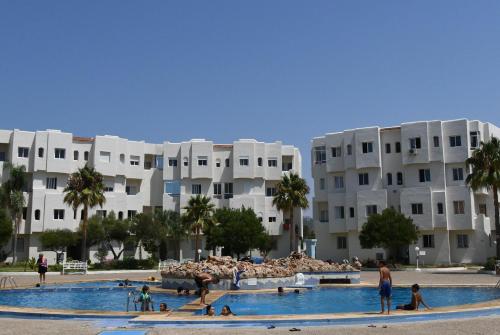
(385, 286)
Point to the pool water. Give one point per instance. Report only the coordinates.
(102, 296)
(344, 300)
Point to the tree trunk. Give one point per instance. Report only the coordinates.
(292, 232)
(84, 230)
(197, 245)
(14, 242)
(497, 220)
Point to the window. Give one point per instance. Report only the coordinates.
(440, 209)
(185, 161)
(398, 147)
(363, 179)
(75, 155)
(319, 155)
(101, 213)
(105, 156)
(51, 183)
(2, 156)
(37, 214)
(23, 152)
(339, 182)
(159, 162)
(25, 213)
(270, 191)
(462, 241)
(202, 160)
(349, 149)
(389, 178)
(131, 214)
(172, 162)
(458, 207)
(436, 141)
(40, 152)
(339, 212)
(196, 188)
(371, 209)
(399, 177)
(173, 187)
(367, 147)
(455, 141)
(108, 188)
(58, 214)
(424, 175)
(60, 153)
(217, 162)
(217, 190)
(244, 161)
(135, 160)
(337, 152)
(417, 209)
(259, 161)
(482, 209)
(458, 174)
(228, 190)
(415, 143)
(227, 162)
(351, 212)
(86, 156)
(428, 241)
(120, 215)
(322, 183)
(323, 215)
(271, 219)
(474, 139)
(341, 242)
(131, 189)
(272, 162)
(387, 148)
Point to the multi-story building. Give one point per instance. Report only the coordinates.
(417, 168)
(140, 177)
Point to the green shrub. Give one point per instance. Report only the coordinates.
(128, 263)
(56, 267)
(490, 264)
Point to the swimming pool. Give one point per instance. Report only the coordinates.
(101, 296)
(345, 300)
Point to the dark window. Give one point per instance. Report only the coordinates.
(440, 209)
(389, 179)
(424, 175)
(228, 190)
(227, 162)
(436, 141)
(398, 146)
(341, 242)
(351, 212)
(387, 148)
(458, 174)
(400, 178)
(417, 209)
(415, 143)
(75, 155)
(37, 214)
(363, 178)
(25, 213)
(172, 162)
(2, 156)
(428, 241)
(349, 149)
(120, 215)
(367, 147)
(455, 141)
(259, 161)
(40, 152)
(86, 156)
(462, 241)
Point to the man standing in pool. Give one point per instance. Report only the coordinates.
(385, 286)
(202, 280)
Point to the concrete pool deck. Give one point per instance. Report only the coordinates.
(184, 317)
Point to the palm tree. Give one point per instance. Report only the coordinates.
(199, 214)
(177, 230)
(291, 193)
(485, 173)
(85, 188)
(13, 199)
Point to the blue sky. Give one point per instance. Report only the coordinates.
(223, 70)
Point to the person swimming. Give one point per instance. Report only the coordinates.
(280, 291)
(210, 310)
(416, 300)
(226, 311)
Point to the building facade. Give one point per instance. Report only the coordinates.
(416, 168)
(141, 177)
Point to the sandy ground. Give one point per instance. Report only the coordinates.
(489, 325)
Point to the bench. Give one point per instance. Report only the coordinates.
(74, 267)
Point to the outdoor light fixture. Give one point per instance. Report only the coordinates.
(417, 251)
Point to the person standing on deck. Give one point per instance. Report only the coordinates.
(385, 286)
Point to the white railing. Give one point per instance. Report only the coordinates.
(75, 267)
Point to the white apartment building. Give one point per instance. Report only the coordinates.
(417, 168)
(140, 177)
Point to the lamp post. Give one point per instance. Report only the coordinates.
(417, 251)
(199, 255)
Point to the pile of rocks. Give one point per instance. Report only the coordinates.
(283, 267)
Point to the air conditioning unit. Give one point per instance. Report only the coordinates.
(413, 151)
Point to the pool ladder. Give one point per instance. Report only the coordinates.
(498, 284)
(131, 295)
(7, 280)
